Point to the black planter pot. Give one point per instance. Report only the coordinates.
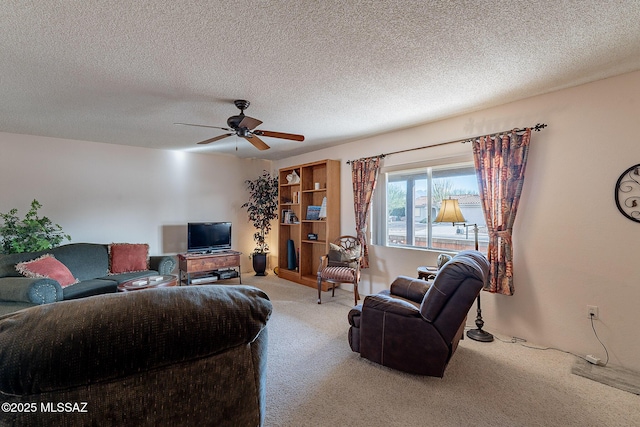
(259, 264)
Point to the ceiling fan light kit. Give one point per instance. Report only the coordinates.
(243, 126)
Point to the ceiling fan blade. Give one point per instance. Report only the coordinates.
(281, 135)
(249, 123)
(203, 126)
(257, 142)
(214, 139)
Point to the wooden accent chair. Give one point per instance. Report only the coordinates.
(341, 265)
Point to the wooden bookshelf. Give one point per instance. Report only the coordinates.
(296, 198)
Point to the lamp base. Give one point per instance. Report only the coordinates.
(479, 335)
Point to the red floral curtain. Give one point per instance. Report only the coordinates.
(500, 163)
(364, 173)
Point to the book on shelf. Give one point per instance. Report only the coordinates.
(313, 213)
(289, 217)
(323, 209)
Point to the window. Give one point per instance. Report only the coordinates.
(410, 202)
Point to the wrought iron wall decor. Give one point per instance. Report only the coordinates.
(627, 193)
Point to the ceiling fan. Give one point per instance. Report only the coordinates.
(243, 126)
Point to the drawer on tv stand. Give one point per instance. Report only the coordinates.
(212, 263)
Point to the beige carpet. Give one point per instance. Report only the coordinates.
(314, 379)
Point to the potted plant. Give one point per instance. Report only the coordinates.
(30, 234)
(262, 208)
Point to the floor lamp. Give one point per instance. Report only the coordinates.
(450, 212)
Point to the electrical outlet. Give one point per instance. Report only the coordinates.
(592, 312)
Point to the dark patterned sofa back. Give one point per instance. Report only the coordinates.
(117, 335)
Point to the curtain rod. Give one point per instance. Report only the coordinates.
(538, 127)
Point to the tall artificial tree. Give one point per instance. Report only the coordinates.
(262, 207)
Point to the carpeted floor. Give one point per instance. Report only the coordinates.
(314, 379)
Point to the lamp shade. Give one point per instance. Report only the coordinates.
(450, 212)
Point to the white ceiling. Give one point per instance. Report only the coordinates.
(124, 71)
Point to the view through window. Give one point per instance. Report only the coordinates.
(413, 198)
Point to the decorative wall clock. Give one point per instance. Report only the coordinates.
(627, 193)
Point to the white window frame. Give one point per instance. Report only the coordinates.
(379, 212)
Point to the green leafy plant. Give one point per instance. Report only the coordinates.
(262, 207)
(30, 234)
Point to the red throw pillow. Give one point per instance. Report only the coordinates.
(128, 257)
(49, 267)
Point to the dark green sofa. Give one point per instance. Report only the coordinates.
(177, 356)
(88, 262)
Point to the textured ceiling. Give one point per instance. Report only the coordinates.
(124, 71)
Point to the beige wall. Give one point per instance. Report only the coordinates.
(572, 246)
(107, 193)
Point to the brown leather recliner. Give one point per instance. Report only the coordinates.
(415, 326)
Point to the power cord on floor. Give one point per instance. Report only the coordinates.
(521, 341)
(513, 340)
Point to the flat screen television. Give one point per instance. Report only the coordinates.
(208, 236)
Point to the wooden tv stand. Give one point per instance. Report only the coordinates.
(201, 264)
